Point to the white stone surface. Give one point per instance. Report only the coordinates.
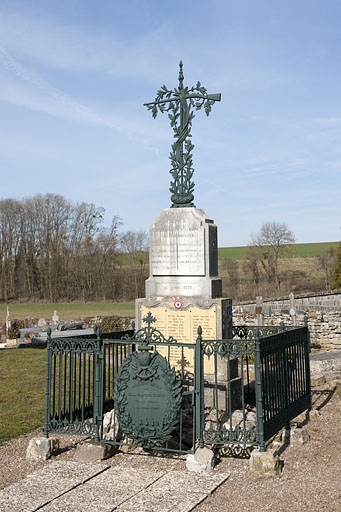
(137, 484)
(202, 461)
(183, 255)
(46, 484)
(41, 448)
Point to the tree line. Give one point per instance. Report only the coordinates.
(53, 250)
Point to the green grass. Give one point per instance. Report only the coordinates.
(22, 391)
(67, 311)
(312, 250)
(234, 253)
(296, 250)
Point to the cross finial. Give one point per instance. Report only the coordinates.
(180, 103)
(181, 75)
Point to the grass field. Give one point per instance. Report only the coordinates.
(296, 250)
(22, 391)
(67, 311)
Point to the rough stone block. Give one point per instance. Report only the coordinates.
(202, 461)
(223, 390)
(264, 463)
(298, 436)
(314, 414)
(42, 448)
(92, 452)
(318, 380)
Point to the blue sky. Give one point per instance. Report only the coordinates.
(74, 75)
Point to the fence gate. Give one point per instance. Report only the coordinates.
(89, 380)
(151, 395)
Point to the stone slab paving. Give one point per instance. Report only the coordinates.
(46, 484)
(106, 491)
(178, 491)
(136, 485)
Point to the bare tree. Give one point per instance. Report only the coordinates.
(327, 261)
(251, 266)
(134, 246)
(46, 225)
(272, 241)
(10, 214)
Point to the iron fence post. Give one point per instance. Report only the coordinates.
(98, 391)
(286, 377)
(199, 391)
(259, 392)
(307, 362)
(48, 382)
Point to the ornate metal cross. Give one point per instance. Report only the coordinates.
(179, 103)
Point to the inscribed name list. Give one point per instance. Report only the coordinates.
(183, 326)
(177, 250)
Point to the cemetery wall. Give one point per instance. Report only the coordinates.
(323, 311)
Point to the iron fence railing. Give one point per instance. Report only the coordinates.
(71, 377)
(262, 374)
(178, 355)
(74, 393)
(260, 382)
(283, 374)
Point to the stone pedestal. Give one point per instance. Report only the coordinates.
(93, 452)
(183, 255)
(183, 290)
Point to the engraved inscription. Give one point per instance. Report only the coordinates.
(177, 251)
(183, 325)
(147, 398)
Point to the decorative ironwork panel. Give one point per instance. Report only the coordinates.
(147, 398)
(176, 432)
(71, 380)
(214, 408)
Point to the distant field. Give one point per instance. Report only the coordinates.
(67, 311)
(297, 250)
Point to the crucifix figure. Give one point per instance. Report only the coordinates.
(179, 103)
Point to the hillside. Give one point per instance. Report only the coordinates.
(305, 268)
(296, 250)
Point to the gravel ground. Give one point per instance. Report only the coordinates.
(310, 478)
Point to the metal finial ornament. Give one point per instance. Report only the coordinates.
(180, 103)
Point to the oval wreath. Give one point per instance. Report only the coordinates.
(147, 398)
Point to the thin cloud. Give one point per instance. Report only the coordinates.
(41, 96)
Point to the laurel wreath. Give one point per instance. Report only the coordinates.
(149, 434)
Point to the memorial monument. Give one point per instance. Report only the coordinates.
(184, 290)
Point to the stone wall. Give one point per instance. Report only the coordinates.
(323, 311)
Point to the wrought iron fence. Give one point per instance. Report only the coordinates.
(74, 377)
(180, 356)
(237, 393)
(283, 378)
(261, 381)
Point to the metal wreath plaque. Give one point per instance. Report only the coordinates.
(147, 398)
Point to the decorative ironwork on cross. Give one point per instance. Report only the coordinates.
(179, 103)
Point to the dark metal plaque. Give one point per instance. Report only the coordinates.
(147, 398)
